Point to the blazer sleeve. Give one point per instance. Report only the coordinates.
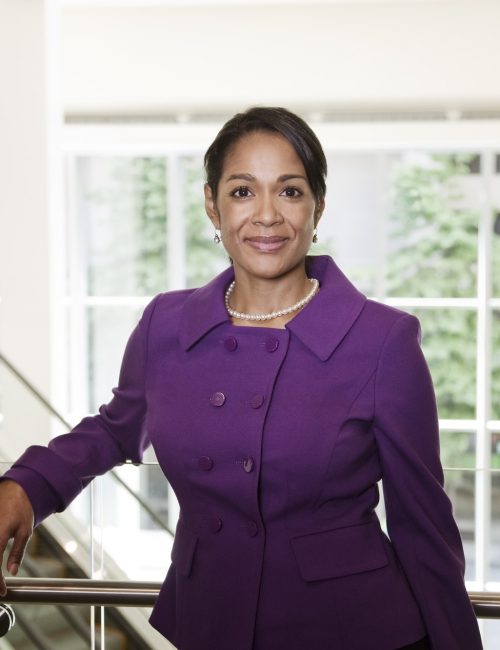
(420, 521)
(53, 476)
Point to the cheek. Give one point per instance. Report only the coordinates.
(233, 219)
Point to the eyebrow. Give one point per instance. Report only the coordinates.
(250, 178)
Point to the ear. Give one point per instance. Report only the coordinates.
(318, 213)
(210, 207)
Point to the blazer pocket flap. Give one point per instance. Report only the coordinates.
(183, 549)
(340, 552)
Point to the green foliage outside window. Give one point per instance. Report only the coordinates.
(149, 181)
(435, 242)
(204, 257)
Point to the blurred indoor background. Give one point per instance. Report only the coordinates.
(106, 108)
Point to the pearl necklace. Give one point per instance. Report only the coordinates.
(273, 314)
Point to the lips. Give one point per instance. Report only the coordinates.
(266, 244)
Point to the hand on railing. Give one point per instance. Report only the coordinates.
(16, 521)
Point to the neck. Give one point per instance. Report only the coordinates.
(263, 295)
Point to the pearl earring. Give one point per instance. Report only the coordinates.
(217, 236)
(315, 236)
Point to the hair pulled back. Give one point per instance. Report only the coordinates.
(275, 120)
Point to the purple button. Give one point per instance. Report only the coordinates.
(205, 462)
(252, 528)
(230, 343)
(248, 464)
(272, 344)
(217, 399)
(214, 524)
(257, 401)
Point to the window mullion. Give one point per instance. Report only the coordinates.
(483, 373)
(176, 253)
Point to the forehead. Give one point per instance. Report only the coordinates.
(262, 151)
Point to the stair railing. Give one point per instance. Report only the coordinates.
(51, 409)
(129, 593)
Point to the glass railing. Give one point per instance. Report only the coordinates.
(119, 528)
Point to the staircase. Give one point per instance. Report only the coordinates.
(64, 627)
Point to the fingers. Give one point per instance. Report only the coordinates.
(15, 558)
(16, 555)
(3, 586)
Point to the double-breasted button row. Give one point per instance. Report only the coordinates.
(214, 525)
(218, 399)
(271, 344)
(206, 463)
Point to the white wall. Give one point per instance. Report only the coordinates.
(439, 54)
(25, 333)
(435, 54)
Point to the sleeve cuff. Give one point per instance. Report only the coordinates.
(41, 495)
(47, 480)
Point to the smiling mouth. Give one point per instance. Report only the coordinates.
(266, 244)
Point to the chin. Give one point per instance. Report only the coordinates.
(268, 266)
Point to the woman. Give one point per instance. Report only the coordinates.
(276, 397)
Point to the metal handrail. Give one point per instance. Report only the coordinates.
(81, 592)
(123, 593)
(47, 405)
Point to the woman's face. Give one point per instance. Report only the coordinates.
(265, 208)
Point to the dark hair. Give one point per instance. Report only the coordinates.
(276, 120)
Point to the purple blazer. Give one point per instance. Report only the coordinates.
(274, 441)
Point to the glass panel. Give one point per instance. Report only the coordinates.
(23, 419)
(449, 345)
(51, 554)
(458, 449)
(496, 254)
(495, 449)
(494, 574)
(495, 365)
(204, 257)
(495, 198)
(125, 525)
(350, 228)
(403, 224)
(108, 331)
(491, 634)
(433, 225)
(121, 204)
(460, 487)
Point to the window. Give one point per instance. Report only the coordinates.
(413, 226)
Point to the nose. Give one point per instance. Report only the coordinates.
(266, 211)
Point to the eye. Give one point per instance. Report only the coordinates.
(291, 192)
(241, 192)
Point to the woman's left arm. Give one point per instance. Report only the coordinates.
(419, 513)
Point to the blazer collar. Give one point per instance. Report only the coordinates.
(321, 325)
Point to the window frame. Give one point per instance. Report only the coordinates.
(175, 140)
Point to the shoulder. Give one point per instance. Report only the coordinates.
(164, 310)
(384, 314)
(167, 304)
(384, 325)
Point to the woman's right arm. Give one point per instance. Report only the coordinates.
(46, 479)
